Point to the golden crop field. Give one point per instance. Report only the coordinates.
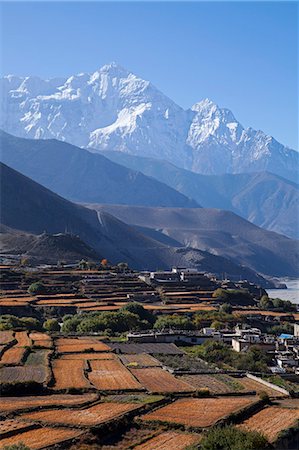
(87, 417)
(170, 440)
(271, 421)
(112, 376)
(69, 374)
(41, 437)
(10, 404)
(199, 412)
(155, 379)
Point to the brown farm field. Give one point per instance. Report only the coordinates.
(252, 385)
(23, 374)
(87, 417)
(69, 374)
(88, 356)
(10, 426)
(6, 337)
(23, 340)
(199, 412)
(216, 384)
(110, 375)
(141, 360)
(73, 345)
(155, 379)
(271, 421)
(13, 356)
(42, 438)
(11, 404)
(170, 440)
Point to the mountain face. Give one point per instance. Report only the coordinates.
(221, 233)
(82, 176)
(263, 198)
(113, 109)
(30, 209)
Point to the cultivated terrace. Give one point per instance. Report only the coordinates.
(94, 356)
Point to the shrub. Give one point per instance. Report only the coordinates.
(232, 438)
(137, 308)
(51, 325)
(174, 322)
(19, 446)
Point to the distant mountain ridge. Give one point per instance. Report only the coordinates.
(82, 176)
(30, 209)
(263, 198)
(113, 109)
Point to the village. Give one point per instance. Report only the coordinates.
(129, 355)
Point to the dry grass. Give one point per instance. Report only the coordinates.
(199, 412)
(170, 440)
(69, 374)
(42, 437)
(92, 416)
(9, 404)
(112, 376)
(141, 360)
(271, 421)
(213, 383)
(156, 379)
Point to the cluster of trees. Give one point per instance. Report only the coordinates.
(37, 288)
(131, 317)
(215, 352)
(276, 303)
(10, 322)
(234, 296)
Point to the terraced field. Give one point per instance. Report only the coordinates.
(12, 404)
(141, 360)
(87, 417)
(70, 374)
(271, 421)
(42, 438)
(65, 345)
(155, 379)
(252, 385)
(199, 412)
(110, 375)
(216, 384)
(170, 440)
(88, 356)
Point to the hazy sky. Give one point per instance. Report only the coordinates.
(242, 55)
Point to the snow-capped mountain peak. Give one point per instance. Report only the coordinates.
(114, 109)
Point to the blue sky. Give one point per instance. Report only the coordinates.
(242, 55)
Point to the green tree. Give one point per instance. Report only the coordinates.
(226, 308)
(37, 288)
(232, 438)
(51, 325)
(265, 302)
(137, 308)
(176, 322)
(71, 324)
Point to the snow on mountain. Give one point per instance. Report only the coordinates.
(113, 109)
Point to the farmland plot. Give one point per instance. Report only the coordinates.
(199, 412)
(252, 385)
(72, 345)
(9, 404)
(69, 374)
(6, 337)
(13, 356)
(155, 379)
(11, 426)
(41, 340)
(170, 440)
(109, 375)
(42, 437)
(141, 360)
(88, 356)
(88, 417)
(271, 421)
(23, 374)
(222, 384)
(23, 339)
